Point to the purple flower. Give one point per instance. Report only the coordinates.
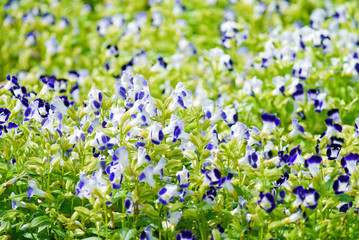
(156, 133)
(157, 19)
(146, 234)
(349, 163)
(142, 156)
(167, 193)
(95, 99)
(4, 115)
(226, 183)
(129, 205)
(313, 164)
(295, 156)
(267, 202)
(183, 178)
(334, 148)
(118, 165)
(270, 122)
(332, 128)
(174, 217)
(150, 171)
(334, 114)
(341, 185)
(297, 128)
(240, 131)
(112, 50)
(343, 207)
(185, 235)
(34, 190)
(175, 128)
(309, 197)
(210, 195)
(85, 187)
(212, 177)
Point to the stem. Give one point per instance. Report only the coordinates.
(106, 220)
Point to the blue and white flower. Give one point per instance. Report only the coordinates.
(342, 184)
(270, 122)
(313, 164)
(266, 201)
(349, 163)
(167, 193)
(183, 178)
(34, 190)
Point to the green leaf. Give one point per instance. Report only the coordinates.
(39, 221)
(59, 232)
(127, 234)
(345, 198)
(84, 212)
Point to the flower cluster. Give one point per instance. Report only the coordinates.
(179, 119)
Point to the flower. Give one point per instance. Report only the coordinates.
(31, 38)
(297, 128)
(212, 177)
(240, 131)
(349, 163)
(156, 133)
(302, 68)
(334, 114)
(343, 207)
(210, 196)
(309, 197)
(52, 46)
(150, 171)
(334, 148)
(101, 141)
(315, 96)
(294, 217)
(174, 217)
(103, 26)
(250, 158)
(115, 171)
(95, 99)
(332, 128)
(226, 183)
(186, 47)
(34, 190)
(167, 193)
(129, 205)
(279, 82)
(356, 124)
(185, 235)
(313, 164)
(341, 185)
(142, 157)
(254, 137)
(295, 156)
(269, 123)
(157, 19)
(4, 115)
(183, 178)
(252, 86)
(15, 203)
(283, 181)
(267, 202)
(175, 128)
(181, 97)
(63, 23)
(112, 50)
(146, 234)
(85, 187)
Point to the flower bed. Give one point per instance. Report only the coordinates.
(167, 119)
